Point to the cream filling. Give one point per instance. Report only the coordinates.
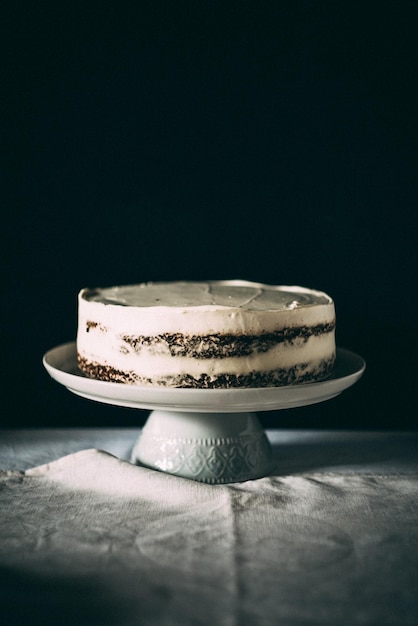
(150, 365)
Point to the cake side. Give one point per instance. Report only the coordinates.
(221, 334)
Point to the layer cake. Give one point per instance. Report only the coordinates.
(216, 334)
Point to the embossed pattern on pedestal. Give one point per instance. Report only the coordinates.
(212, 460)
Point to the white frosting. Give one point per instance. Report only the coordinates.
(204, 308)
(220, 294)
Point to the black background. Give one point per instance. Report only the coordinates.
(268, 141)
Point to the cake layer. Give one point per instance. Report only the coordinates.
(220, 307)
(148, 366)
(217, 334)
(300, 373)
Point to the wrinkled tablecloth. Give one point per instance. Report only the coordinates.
(89, 538)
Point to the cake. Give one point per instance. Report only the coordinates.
(215, 334)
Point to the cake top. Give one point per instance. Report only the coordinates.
(228, 293)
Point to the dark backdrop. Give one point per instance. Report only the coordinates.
(268, 141)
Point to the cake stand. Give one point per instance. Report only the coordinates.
(208, 435)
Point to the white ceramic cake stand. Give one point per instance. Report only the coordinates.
(209, 435)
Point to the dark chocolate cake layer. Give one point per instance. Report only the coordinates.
(276, 378)
(224, 346)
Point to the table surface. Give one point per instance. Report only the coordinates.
(330, 537)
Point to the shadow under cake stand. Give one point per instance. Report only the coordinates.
(208, 435)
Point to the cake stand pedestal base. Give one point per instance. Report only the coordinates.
(207, 447)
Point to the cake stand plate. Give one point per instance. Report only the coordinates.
(210, 435)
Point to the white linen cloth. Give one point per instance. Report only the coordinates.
(91, 539)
